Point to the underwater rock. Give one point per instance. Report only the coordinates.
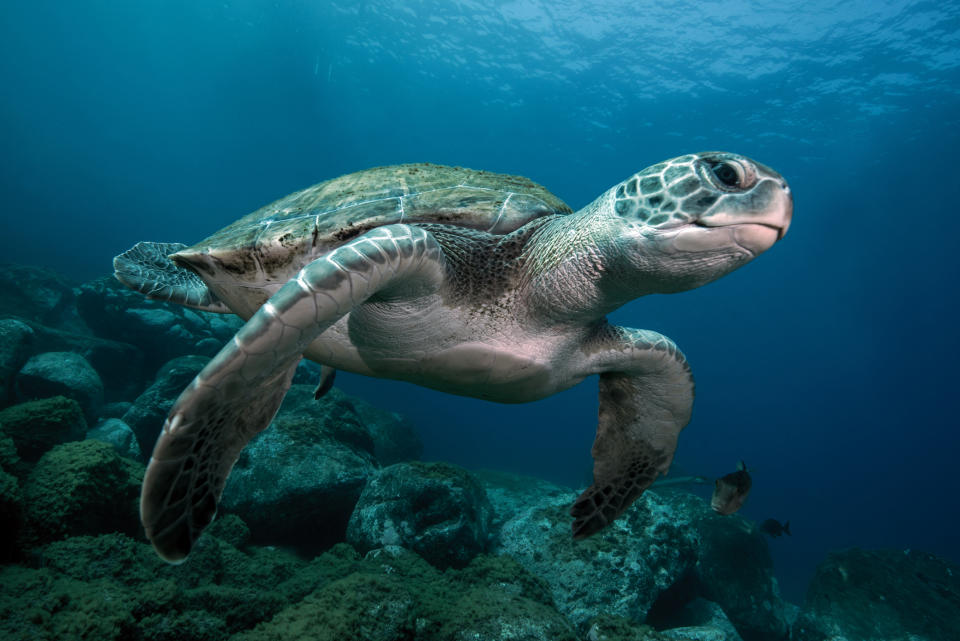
(115, 410)
(231, 529)
(607, 627)
(36, 426)
(296, 483)
(120, 365)
(118, 434)
(438, 510)
(700, 620)
(16, 340)
(619, 571)
(9, 459)
(11, 515)
(881, 594)
(735, 571)
(392, 595)
(649, 565)
(34, 293)
(61, 374)
(83, 487)
(162, 330)
(111, 587)
(372, 607)
(150, 410)
(395, 438)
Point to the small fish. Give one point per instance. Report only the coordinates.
(773, 527)
(730, 491)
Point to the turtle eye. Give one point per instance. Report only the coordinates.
(729, 174)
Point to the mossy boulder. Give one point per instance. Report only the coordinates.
(11, 515)
(113, 587)
(297, 482)
(881, 594)
(438, 510)
(392, 594)
(231, 529)
(373, 607)
(16, 341)
(621, 570)
(36, 426)
(41, 605)
(61, 374)
(9, 459)
(83, 487)
(395, 438)
(11, 499)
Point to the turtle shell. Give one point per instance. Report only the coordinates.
(275, 241)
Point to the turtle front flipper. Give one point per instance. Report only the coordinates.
(147, 268)
(237, 394)
(646, 397)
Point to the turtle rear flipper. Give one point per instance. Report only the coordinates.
(147, 268)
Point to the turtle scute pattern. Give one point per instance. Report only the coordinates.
(333, 212)
(663, 191)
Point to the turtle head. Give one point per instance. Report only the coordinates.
(690, 220)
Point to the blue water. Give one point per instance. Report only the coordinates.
(829, 364)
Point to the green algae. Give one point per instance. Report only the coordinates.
(231, 529)
(113, 587)
(394, 594)
(607, 627)
(11, 515)
(36, 426)
(9, 459)
(83, 487)
(307, 421)
(438, 470)
(369, 606)
(37, 604)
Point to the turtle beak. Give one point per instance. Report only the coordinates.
(760, 219)
(787, 209)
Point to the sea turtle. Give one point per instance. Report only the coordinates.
(469, 282)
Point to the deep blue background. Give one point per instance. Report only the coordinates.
(829, 365)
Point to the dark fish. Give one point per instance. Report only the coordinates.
(731, 491)
(773, 527)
